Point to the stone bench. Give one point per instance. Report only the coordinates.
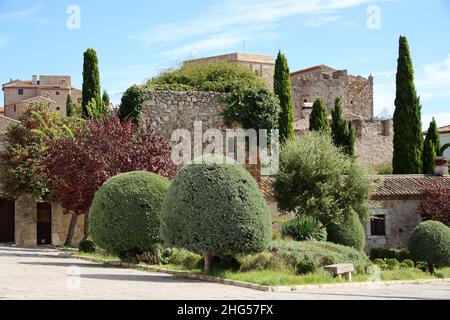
(341, 269)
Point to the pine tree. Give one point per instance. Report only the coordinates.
(282, 88)
(318, 120)
(408, 139)
(429, 157)
(91, 81)
(105, 98)
(69, 106)
(342, 133)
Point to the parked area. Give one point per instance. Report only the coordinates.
(45, 274)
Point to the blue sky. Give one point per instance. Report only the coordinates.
(136, 40)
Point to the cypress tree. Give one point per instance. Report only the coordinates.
(69, 106)
(282, 88)
(105, 98)
(342, 133)
(91, 81)
(408, 139)
(429, 157)
(433, 135)
(318, 120)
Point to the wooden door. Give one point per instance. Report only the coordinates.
(44, 223)
(7, 221)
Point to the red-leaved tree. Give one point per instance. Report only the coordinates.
(79, 165)
(436, 203)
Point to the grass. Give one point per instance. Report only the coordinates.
(99, 255)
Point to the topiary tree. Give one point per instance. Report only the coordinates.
(131, 103)
(318, 120)
(407, 125)
(126, 212)
(430, 242)
(341, 132)
(91, 81)
(215, 208)
(282, 88)
(349, 233)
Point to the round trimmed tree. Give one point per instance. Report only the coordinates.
(126, 212)
(349, 233)
(430, 242)
(216, 208)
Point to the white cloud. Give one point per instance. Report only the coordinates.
(21, 13)
(239, 13)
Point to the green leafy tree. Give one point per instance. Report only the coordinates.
(428, 157)
(69, 106)
(91, 81)
(131, 103)
(315, 178)
(318, 120)
(282, 88)
(341, 131)
(408, 138)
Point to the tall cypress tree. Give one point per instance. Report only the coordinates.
(69, 106)
(91, 81)
(408, 139)
(342, 133)
(282, 88)
(433, 135)
(318, 120)
(429, 157)
(105, 98)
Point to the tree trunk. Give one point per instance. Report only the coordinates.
(207, 256)
(73, 222)
(86, 226)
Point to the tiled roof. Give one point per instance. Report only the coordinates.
(387, 187)
(444, 129)
(321, 67)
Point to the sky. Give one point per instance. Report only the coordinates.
(137, 39)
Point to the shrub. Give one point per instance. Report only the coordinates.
(305, 267)
(316, 179)
(348, 233)
(320, 253)
(183, 257)
(422, 266)
(430, 242)
(304, 228)
(261, 261)
(392, 264)
(87, 246)
(406, 264)
(387, 253)
(131, 103)
(379, 262)
(126, 212)
(216, 209)
(221, 263)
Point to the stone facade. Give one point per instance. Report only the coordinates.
(261, 65)
(328, 83)
(400, 216)
(53, 88)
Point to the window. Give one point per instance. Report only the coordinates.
(306, 100)
(378, 225)
(57, 108)
(57, 93)
(79, 100)
(20, 91)
(14, 108)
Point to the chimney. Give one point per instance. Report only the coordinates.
(441, 166)
(34, 79)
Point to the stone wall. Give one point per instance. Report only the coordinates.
(356, 92)
(26, 221)
(374, 141)
(178, 110)
(60, 226)
(401, 218)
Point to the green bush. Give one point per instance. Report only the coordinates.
(262, 261)
(348, 233)
(387, 253)
(379, 262)
(422, 266)
(407, 264)
(304, 228)
(305, 267)
(126, 213)
(430, 242)
(131, 103)
(392, 264)
(183, 257)
(216, 209)
(320, 253)
(87, 246)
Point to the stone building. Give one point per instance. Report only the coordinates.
(51, 89)
(22, 220)
(261, 65)
(327, 83)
